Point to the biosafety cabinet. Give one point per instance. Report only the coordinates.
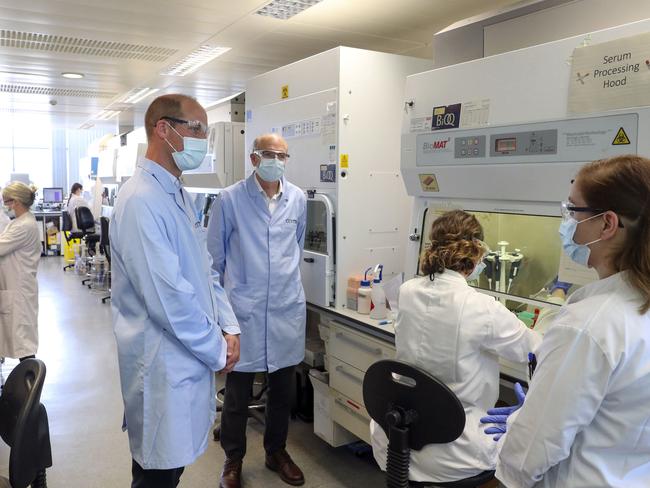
(224, 163)
(340, 112)
(495, 137)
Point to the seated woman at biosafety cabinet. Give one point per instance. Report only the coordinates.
(585, 421)
(452, 331)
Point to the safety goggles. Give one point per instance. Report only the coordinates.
(268, 154)
(197, 127)
(568, 210)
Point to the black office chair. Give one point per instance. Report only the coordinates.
(86, 224)
(105, 247)
(414, 409)
(68, 233)
(24, 426)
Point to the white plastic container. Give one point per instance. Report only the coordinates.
(378, 298)
(363, 302)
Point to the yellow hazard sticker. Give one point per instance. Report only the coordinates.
(428, 182)
(285, 91)
(344, 161)
(621, 138)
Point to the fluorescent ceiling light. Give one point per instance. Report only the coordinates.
(285, 9)
(72, 76)
(106, 114)
(195, 60)
(137, 94)
(86, 125)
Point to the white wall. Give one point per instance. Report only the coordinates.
(571, 19)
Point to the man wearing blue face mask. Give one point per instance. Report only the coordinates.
(256, 236)
(173, 324)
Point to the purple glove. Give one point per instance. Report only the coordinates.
(499, 415)
(560, 285)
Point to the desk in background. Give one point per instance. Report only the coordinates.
(43, 217)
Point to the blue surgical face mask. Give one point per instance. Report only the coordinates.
(579, 253)
(193, 153)
(478, 269)
(270, 169)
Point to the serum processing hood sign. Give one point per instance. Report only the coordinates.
(610, 75)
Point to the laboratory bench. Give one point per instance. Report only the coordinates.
(353, 342)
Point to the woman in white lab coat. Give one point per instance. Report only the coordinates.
(75, 200)
(20, 251)
(585, 421)
(452, 331)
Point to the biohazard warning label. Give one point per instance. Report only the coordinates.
(621, 138)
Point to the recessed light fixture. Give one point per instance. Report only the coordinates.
(72, 76)
(285, 9)
(137, 94)
(195, 60)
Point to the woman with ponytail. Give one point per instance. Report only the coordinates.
(585, 421)
(452, 331)
(20, 252)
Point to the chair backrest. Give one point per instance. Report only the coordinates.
(390, 384)
(85, 220)
(67, 221)
(104, 241)
(23, 423)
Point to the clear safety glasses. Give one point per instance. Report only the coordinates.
(198, 128)
(268, 154)
(568, 210)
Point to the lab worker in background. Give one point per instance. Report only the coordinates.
(173, 324)
(585, 421)
(20, 253)
(256, 236)
(74, 201)
(457, 334)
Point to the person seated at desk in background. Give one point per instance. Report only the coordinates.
(455, 333)
(75, 201)
(20, 253)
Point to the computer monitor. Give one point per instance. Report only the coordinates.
(52, 195)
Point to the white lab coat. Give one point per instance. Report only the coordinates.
(258, 255)
(74, 202)
(169, 313)
(20, 252)
(4, 221)
(586, 419)
(456, 333)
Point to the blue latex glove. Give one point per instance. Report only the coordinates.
(556, 284)
(499, 415)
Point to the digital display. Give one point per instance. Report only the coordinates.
(505, 145)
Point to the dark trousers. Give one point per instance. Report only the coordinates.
(234, 415)
(155, 478)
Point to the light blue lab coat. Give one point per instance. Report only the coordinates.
(169, 310)
(258, 255)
